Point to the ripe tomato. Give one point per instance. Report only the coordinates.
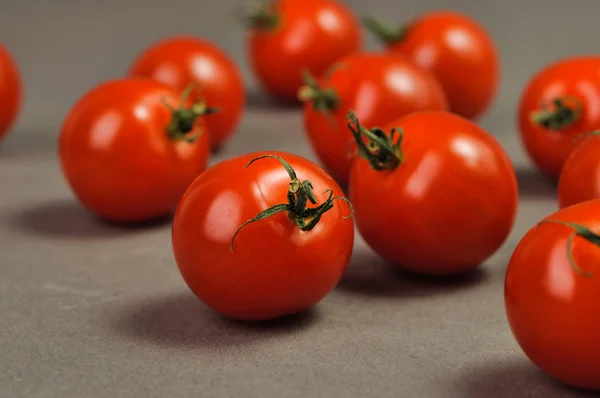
(10, 91)
(278, 264)
(552, 295)
(458, 51)
(559, 103)
(437, 195)
(378, 87)
(180, 61)
(288, 36)
(128, 154)
(580, 177)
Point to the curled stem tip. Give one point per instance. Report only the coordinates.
(298, 195)
(582, 136)
(583, 232)
(384, 32)
(559, 115)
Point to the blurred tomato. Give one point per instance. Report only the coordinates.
(580, 177)
(10, 91)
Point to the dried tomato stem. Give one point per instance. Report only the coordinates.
(581, 231)
(262, 16)
(559, 117)
(383, 32)
(324, 100)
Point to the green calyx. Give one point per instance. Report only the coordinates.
(183, 119)
(583, 232)
(384, 152)
(559, 116)
(262, 16)
(299, 194)
(324, 100)
(383, 32)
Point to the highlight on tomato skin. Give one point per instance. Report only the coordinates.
(552, 291)
(579, 179)
(11, 91)
(433, 192)
(262, 235)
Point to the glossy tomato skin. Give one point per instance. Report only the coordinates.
(460, 53)
(312, 35)
(275, 269)
(573, 78)
(580, 177)
(182, 60)
(553, 310)
(117, 157)
(10, 91)
(378, 88)
(447, 207)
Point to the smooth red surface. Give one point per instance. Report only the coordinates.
(460, 53)
(10, 91)
(576, 78)
(275, 269)
(378, 88)
(553, 310)
(117, 157)
(312, 35)
(580, 178)
(182, 60)
(449, 205)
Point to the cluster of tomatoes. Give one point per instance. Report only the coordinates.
(264, 235)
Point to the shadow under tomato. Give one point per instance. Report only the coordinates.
(259, 100)
(514, 378)
(370, 275)
(67, 218)
(535, 184)
(182, 320)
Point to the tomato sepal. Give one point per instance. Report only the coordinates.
(385, 33)
(560, 116)
(262, 16)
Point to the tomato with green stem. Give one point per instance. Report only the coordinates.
(580, 177)
(433, 192)
(129, 148)
(552, 295)
(456, 49)
(262, 235)
(559, 103)
(183, 60)
(378, 87)
(288, 36)
(10, 91)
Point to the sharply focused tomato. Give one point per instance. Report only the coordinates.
(552, 295)
(10, 91)
(580, 177)
(560, 102)
(289, 36)
(378, 87)
(181, 61)
(432, 192)
(290, 255)
(458, 51)
(129, 149)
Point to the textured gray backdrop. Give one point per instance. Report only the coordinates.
(89, 310)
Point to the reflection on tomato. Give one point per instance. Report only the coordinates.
(10, 91)
(378, 87)
(432, 192)
(553, 301)
(182, 60)
(276, 266)
(559, 103)
(126, 155)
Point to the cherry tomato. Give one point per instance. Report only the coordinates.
(580, 177)
(182, 60)
(288, 36)
(559, 103)
(552, 295)
(432, 192)
(248, 245)
(128, 154)
(458, 51)
(378, 87)
(10, 91)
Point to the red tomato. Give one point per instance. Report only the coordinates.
(552, 295)
(288, 36)
(10, 91)
(378, 87)
(580, 177)
(180, 61)
(458, 51)
(438, 198)
(559, 103)
(273, 267)
(126, 155)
